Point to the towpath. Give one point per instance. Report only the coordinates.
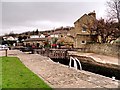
(60, 76)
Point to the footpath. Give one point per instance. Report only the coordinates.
(61, 76)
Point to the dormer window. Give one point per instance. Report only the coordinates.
(84, 29)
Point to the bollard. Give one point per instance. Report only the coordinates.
(6, 52)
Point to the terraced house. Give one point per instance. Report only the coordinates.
(83, 31)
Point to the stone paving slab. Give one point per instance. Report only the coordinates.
(61, 76)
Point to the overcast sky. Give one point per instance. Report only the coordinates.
(28, 16)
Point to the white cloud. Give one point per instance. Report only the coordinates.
(53, 0)
(46, 24)
(33, 25)
(17, 29)
(21, 17)
(101, 12)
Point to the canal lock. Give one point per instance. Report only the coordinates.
(97, 69)
(86, 64)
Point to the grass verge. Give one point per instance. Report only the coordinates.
(0, 73)
(16, 75)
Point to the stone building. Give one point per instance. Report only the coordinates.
(78, 36)
(83, 32)
(34, 41)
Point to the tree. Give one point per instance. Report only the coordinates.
(107, 30)
(114, 10)
(20, 38)
(36, 32)
(24, 37)
(54, 40)
(26, 33)
(12, 34)
(33, 32)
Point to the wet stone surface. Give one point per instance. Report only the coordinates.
(61, 76)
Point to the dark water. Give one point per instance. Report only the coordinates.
(108, 72)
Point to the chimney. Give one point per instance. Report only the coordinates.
(92, 14)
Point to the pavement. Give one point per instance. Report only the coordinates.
(61, 76)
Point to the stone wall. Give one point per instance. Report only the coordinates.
(106, 49)
(80, 39)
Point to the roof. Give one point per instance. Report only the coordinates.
(89, 15)
(80, 18)
(34, 39)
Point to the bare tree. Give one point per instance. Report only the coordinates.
(113, 9)
(107, 30)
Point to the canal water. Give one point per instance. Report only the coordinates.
(108, 72)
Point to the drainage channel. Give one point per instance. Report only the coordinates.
(108, 72)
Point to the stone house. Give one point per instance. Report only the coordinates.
(83, 32)
(34, 41)
(62, 31)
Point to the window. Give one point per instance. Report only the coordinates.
(83, 42)
(84, 29)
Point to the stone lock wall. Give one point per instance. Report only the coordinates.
(106, 49)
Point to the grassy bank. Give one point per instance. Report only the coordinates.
(16, 75)
(0, 73)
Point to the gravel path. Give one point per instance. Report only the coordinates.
(60, 76)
